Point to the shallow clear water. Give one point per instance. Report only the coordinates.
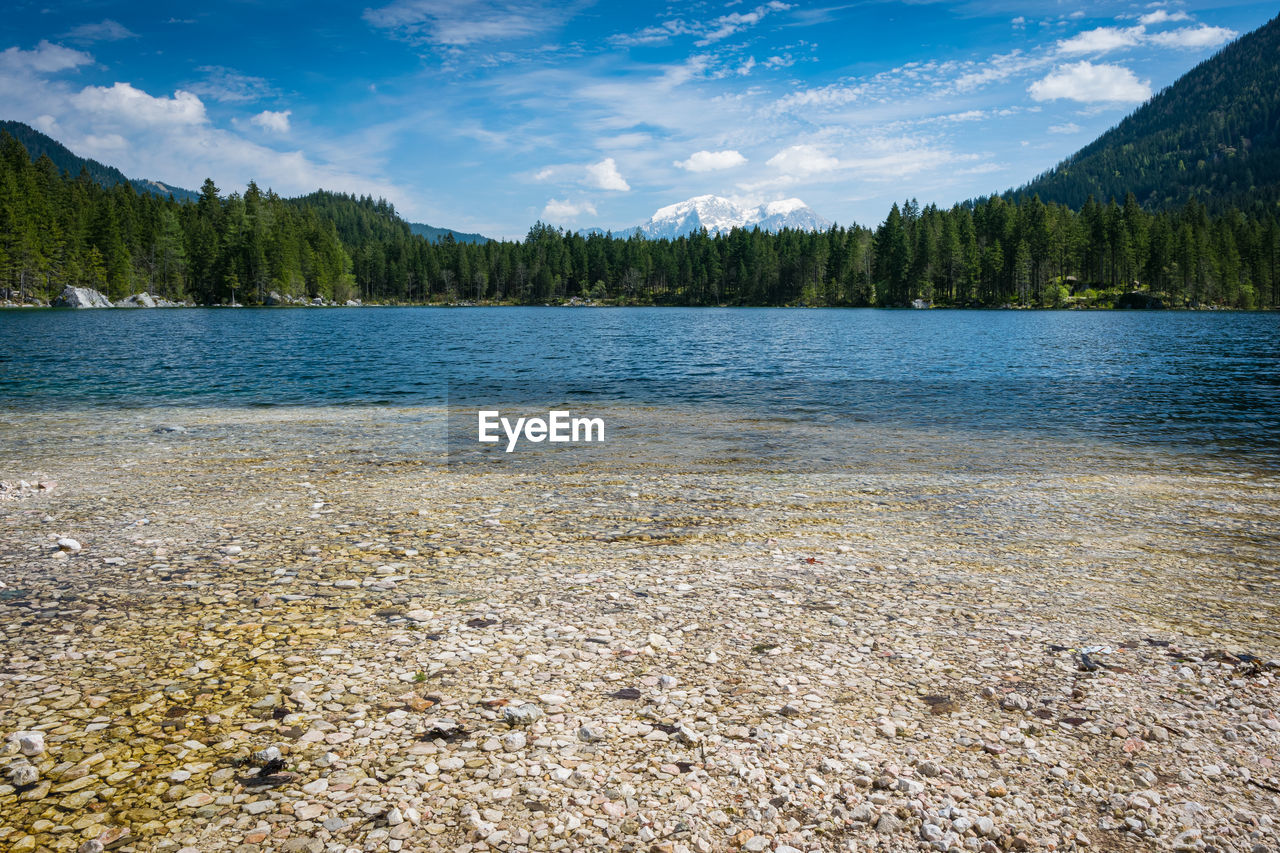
(1187, 381)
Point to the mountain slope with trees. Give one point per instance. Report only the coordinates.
(39, 144)
(1213, 135)
(435, 235)
(57, 230)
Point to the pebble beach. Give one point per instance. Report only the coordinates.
(310, 630)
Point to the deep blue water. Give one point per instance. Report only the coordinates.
(1204, 380)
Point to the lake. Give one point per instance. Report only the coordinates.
(1198, 382)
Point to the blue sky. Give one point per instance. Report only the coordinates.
(490, 114)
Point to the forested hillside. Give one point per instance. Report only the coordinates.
(39, 144)
(57, 230)
(1214, 135)
(435, 234)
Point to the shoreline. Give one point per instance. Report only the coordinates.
(1166, 309)
(706, 654)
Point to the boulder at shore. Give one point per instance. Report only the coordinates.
(81, 297)
(146, 300)
(138, 300)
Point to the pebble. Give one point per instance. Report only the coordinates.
(716, 665)
(521, 715)
(30, 744)
(22, 775)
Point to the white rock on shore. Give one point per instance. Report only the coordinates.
(81, 297)
(147, 300)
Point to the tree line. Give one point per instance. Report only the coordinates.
(56, 230)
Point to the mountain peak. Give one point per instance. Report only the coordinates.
(720, 215)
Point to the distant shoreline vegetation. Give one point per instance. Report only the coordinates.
(57, 231)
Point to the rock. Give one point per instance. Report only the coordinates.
(69, 545)
(522, 715)
(22, 775)
(910, 787)
(163, 428)
(1188, 840)
(755, 844)
(513, 742)
(80, 297)
(93, 845)
(137, 300)
(888, 824)
(29, 744)
(590, 734)
(1015, 702)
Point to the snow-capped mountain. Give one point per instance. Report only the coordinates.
(719, 215)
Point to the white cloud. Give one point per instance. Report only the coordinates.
(106, 30)
(802, 161)
(46, 58)
(998, 68)
(165, 138)
(711, 161)
(967, 115)
(1101, 40)
(654, 35)
(605, 176)
(230, 86)
(1067, 128)
(726, 25)
(457, 23)
(1088, 83)
(1160, 16)
(1107, 39)
(558, 210)
(709, 32)
(600, 176)
(274, 122)
(134, 106)
(46, 123)
(1195, 38)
